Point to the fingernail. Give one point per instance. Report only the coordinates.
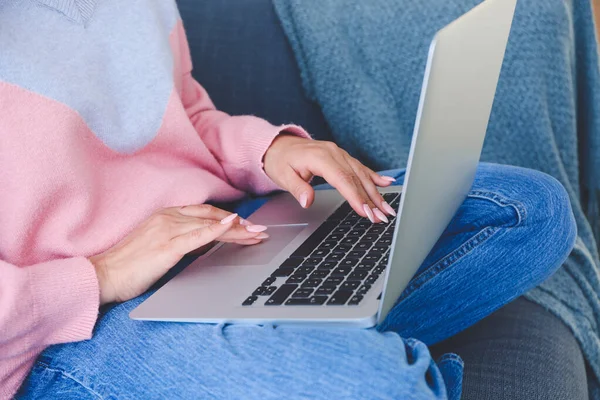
(388, 209)
(369, 213)
(228, 219)
(245, 222)
(262, 236)
(256, 228)
(304, 199)
(388, 178)
(380, 215)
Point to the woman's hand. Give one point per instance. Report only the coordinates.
(292, 161)
(130, 267)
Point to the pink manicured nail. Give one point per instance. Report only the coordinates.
(388, 178)
(369, 213)
(388, 209)
(256, 228)
(228, 219)
(304, 199)
(262, 236)
(380, 215)
(245, 222)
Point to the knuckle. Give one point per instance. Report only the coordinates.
(345, 177)
(160, 219)
(331, 146)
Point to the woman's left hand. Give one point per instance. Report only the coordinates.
(292, 161)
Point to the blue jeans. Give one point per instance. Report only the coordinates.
(512, 232)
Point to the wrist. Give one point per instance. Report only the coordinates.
(106, 295)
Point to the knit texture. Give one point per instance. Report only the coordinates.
(363, 63)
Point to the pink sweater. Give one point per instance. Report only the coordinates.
(91, 143)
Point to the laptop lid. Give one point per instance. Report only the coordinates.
(458, 91)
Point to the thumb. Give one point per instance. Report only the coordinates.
(299, 188)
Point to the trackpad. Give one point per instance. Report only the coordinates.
(260, 254)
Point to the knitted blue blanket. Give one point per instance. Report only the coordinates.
(363, 63)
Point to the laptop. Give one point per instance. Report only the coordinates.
(326, 265)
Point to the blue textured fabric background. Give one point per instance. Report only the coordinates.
(363, 63)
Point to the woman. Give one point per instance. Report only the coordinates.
(110, 151)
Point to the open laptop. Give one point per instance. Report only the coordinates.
(327, 265)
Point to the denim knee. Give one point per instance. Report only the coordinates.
(544, 207)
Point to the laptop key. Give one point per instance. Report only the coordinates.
(362, 246)
(356, 253)
(342, 248)
(363, 289)
(348, 262)
(302, 292)
(341, 271)
(335, 237)
(385, 242)
(280, 295)
(312, 301)
(291, 262)
(340, 213)
(363, 225)
(269, 281)
(371, 257)
(339, 298)
(312, 261)
(365, 266)
(320, 253)
(348, 222)
(314, 240)
(261, 291)
(325, 290)
(319, 274)
(305, 270)
(378, 249)
(355, 300)
(334, 257)
(333, 281)
(329, 244)
(350, 240)
(371, 279)
(282, 272)
(250, 300)
(350, 285)
(358, 275)
(312, 283)
(296, 279)
(327, 265)
(355, 233)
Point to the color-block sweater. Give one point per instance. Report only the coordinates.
(101, 124)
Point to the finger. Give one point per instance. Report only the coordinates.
(185, 243)
(342, 177)
(298, 187)
(205, 211)
(249, 242)
(379, 180)
(363, 174)
(240, 232)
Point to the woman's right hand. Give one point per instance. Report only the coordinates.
(129, 268)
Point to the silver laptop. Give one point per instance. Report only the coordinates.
(327, 265)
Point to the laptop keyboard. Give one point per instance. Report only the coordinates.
(337, 265)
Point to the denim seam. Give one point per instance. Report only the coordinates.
(70, 377)
(451, 357)
(450, 259)
(502, 201)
